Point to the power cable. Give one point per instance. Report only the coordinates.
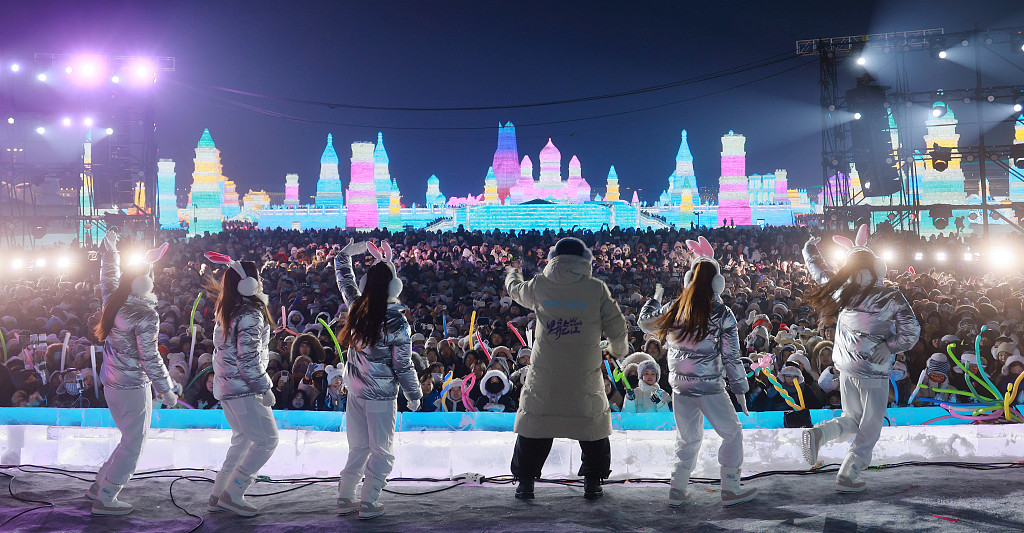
(746, 67)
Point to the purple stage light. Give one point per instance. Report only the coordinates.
(15, 67)
(115, 79)
(41, 130)
(110, 131)
(66, 121)
(41, 77)
(88, 122)
(68, 69)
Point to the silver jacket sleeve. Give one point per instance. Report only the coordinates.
(697, 368)
(130, 357)
(241, 355)
(377, 372)
(816, 265)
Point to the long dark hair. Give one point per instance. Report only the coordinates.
(228, 297)
(117, 299)
(365, 323)
(823, 297)
(689, 317)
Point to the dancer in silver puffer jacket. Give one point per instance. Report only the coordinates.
(873, 323)
(132, 367)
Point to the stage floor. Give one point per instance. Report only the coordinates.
(901, 499)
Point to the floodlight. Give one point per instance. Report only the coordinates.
(115, 79)
(942, 54)
(888, 255)
(68, 69)
(137, 258)
(15, 67)
(941, 156)
(861, 61)
(940, 256)
(110, 131)
(88, 122)
(66, 121)
(856, 116)
(41, 77)
(1017, 107)
(41, 262)
(17, 264)
(40, 130)
(839, 255)
(10, 120)
(968, 256)
(64, 262)
(918, 256)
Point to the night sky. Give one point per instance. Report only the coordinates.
(473, 53)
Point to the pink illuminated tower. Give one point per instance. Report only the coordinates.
(781, 186)
(291, 190)
(523, 190)
(362, 191)
(733, 190)
(578, 190)
(506, 160)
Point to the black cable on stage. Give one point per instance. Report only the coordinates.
(170, 490)
(10, 489)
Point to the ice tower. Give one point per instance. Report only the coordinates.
(683, 188)
(291, 190)
(394, 208)
(490, 187)
(525, 189)
(612, 192)
(207, 193)
(362, 210)
(550, 183)
(381, 175)
(733, 192)
(230, 208)
(781, 186)
(166, 200)
(578, 188)
(328, 187)
(434, 196)
(506, 160)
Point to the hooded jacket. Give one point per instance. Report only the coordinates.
(376, 372)
(869, 334)
(241, 354)
(564, 392)
(696, 368)
(130, 356)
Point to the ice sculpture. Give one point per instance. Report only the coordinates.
(506, 160)
(291, 190)
(207, 195)
(733, 193)
(328, 187)
(166, 200)
(362, 212)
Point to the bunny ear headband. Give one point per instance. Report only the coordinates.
(155, 254)
(705, 253)
(861, 243)
(247, 286)
(384, 254)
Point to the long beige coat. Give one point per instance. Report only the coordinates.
(564, 392)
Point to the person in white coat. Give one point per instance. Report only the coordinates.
(703, 353)
(647, 397)
(873, 323)
(241, 338)
(132, 367)
(379, 363)
(564, 394)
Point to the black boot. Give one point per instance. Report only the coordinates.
(525, 489)
(592, 488)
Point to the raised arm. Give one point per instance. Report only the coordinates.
(110, 266)
(517, 288)
(817, 268)
(346, 278)
(652, 310)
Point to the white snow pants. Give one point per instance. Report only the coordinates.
(370, 428)
(131, 410)
(689, 412)
(253, 438)
(864, 402)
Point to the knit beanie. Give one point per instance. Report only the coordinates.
(939, 364)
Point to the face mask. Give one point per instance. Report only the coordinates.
(494, 387)
(898, 375)
(436, 375)
(633, 381)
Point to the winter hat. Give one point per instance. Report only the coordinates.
(633, 360)
(501, 363)
(501, 350)
(487, 377)
(522, 353)
(205, 359)
(968, 359)
(801, 359)
(570, 246)
(334, 372)
(946, 340)
(1010, 360)
(418, 338)
(644, 366)
(938, 364)
(792, 368)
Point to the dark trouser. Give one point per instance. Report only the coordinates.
(530, 454)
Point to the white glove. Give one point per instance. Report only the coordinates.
(742, 400)
(659, 291)
(813, 241)
(170, 399)
(268, 399)
(354, 248)
(414, 405)
(110, 240)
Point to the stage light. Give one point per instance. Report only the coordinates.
(41, 262)
(110, 131)
(1017, 108)
(10, 120)
(64, 263)
(942, 54)
(856, 116)
(861, 61)
(17, 264)
(839, 255)
(941, 156)
(940, 256)
(41, 77)
(1017, 155)
(115, 79)
(15, 67)
(88, 122)
(41, 130)
(918, 256)
(1017, 42)
(136, 258)
(888, 255)
(968, 256)
(68, 69)
(66, 121)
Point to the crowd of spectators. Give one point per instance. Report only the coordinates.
(45, 321)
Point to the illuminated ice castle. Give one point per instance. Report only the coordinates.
(513, 197)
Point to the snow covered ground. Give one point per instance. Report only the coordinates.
(901, 499)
